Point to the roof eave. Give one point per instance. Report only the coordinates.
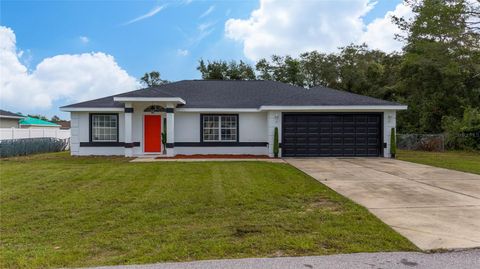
(11, 117)
(92, 109)
(176, 100)
(336, 108)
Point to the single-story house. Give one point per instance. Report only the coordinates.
(9, 119)
(233, 117)
(29, 122)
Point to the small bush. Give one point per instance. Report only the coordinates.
(27, 146)
(463, 133)
(276, 146)
(393, 143)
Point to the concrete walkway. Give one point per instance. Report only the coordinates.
(149, 159)
(434, 208)
(464, 259)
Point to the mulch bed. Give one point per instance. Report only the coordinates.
(217, 156)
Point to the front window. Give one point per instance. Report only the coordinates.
(220, 128)
(104, 127)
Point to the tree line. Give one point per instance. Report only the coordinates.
(437, 74)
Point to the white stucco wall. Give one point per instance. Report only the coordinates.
(80, 128)
(9, 123)
(274, 119)
(389, 122)
(74, 129)
(252, 126)
(187, 127)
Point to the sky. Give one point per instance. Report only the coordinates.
(54, 53)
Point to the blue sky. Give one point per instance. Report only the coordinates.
(168, 36)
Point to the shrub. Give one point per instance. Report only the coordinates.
(275, 143)
(393, 143)
(463, 133)
(27, 146)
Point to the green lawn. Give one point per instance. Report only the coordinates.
(58, 210)
(457, 160)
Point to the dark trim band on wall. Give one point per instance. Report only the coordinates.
(132, 145)
(221, 144)
(169, 110)
(170, 145)
(129, 110)
(109, 144)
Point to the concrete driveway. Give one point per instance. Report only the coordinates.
(433, 207)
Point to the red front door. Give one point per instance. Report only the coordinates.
(153, 136)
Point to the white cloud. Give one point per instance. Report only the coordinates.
(380, 32)
(149, 14)
(66, 78)
(182, 52)
(292, 27)
(84, 39)
(208, 11)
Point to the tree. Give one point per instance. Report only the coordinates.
(56, 118)
(319, 69)
(38, 116)
(441, 59)
(284, 69)
(152, 79)
(222, 70)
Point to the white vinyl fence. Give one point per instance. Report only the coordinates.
(18, 133)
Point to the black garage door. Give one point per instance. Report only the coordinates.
(331, 135)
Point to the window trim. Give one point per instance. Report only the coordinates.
(90, 131)
(219, 141)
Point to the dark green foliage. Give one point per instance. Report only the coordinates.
(226, 71)
(27, 146)
(164, 134)
(152, 79)
(393, 143)
(439, 71)
(284, 69)
(37, 116)
(464, 132)
(55, 118)
(275, 143)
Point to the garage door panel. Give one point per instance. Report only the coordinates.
(336, 135)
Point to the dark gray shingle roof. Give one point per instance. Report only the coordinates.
(241, 94)
(9, 114)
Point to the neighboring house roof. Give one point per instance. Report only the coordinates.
(241, 94)
(36, 122)
(64, 124)
(8, 114)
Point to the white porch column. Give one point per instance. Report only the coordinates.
(128, 129)
(170, 130)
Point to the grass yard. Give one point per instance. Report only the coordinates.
(456, 160)
(62, 211)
